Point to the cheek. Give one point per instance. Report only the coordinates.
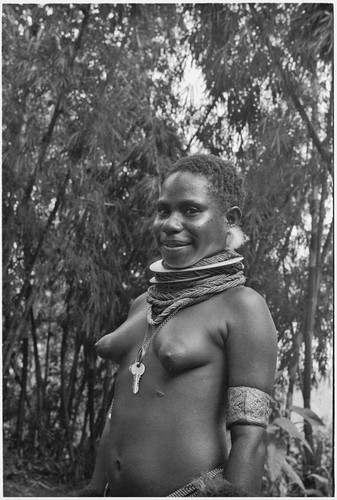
(203, 234)
(213, 232)
(156, 228)
(209, 227)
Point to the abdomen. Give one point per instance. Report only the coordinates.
(167, 434)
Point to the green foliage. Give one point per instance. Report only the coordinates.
(257, 59)
(87, 141)
(287, 472)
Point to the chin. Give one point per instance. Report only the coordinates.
(179, 263)
(177, 257)
(179, 266)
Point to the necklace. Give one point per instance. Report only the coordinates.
(157, 267)
(174, 289)
(138, 368)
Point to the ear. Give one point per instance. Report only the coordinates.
(235, 237)
(233, 216)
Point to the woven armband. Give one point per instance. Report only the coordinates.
(247, 406)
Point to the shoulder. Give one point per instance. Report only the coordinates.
(244, 296)
(244, 303)
(248, 318)
(138, 303)
(251, 340)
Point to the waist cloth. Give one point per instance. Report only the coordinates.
(189, 490)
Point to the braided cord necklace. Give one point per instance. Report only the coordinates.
(138, 368)
(175, 289)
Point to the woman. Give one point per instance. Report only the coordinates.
(197, 353)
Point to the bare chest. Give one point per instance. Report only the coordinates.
(190, 339)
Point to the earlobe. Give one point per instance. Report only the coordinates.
(235, 238)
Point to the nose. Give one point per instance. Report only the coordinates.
(172, 224)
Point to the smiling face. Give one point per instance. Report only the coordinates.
(189, 224)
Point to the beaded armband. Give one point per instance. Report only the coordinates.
(247, 406)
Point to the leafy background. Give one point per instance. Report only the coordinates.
(98, 101)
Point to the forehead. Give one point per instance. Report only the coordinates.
(186, 184)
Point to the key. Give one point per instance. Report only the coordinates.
(137, 370)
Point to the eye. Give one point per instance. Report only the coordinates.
(192, 211)
(162, 211)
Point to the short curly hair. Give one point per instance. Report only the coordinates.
(225, 181)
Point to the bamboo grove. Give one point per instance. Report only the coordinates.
(98, 101)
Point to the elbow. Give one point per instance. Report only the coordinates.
(248, 452)
(254, 434)
(252, 439)
(261, 447)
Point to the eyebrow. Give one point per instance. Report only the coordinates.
(184, 201)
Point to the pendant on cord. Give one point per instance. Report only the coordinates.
(137, 370)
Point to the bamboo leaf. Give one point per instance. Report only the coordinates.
(319, 480)
(292, 475)
(313, 492)
(291, 429)
(276, 455)
(308, 415)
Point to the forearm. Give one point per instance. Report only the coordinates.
(245, 464)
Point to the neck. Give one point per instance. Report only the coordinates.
(222, 256)
(178, 288)
(221, 263)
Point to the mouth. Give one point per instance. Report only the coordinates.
(174, 244)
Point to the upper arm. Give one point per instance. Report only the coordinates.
(251, 343)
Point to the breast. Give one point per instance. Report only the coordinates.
(177, 354)
(187, 341)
